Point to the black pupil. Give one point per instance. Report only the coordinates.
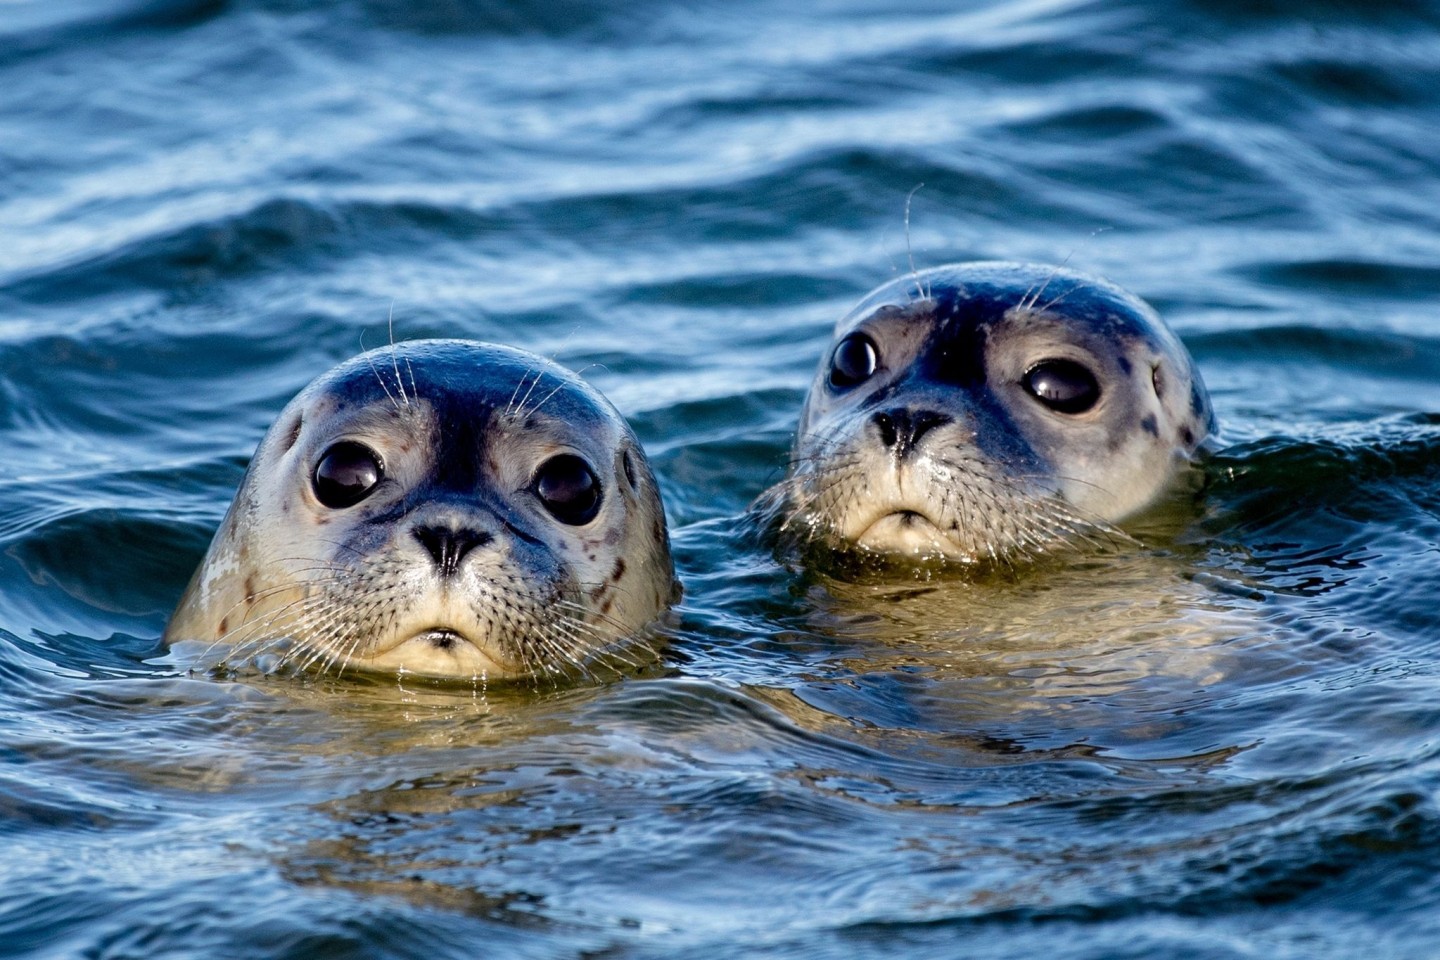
(1063, 385)
(347, 474)
(854, 360)
(569, 489)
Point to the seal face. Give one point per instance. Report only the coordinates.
(439, 507)
(990, 412)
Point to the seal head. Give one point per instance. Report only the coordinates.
(990, 412)
(439, 507)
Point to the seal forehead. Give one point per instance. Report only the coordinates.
(461, 379)
(959, 297)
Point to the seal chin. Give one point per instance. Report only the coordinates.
(437, 651)
(909, 533)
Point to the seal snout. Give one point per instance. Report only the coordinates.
(1018, 408)
(901, 428)
(444, 508)
(447, 545)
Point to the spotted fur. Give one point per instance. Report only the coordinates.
(980, 469)
(461, 429)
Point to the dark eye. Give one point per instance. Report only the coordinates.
(569, 489)
(1062, 385)
(853, 361)
(348, 473)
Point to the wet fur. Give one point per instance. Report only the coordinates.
(461, 427)
(1003, 481)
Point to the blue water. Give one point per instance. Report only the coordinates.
(1222, 743)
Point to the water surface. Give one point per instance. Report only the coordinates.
(1218, 743)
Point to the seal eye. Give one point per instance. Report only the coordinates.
(1062, 385)
(569, 489)
(347, 473)
(853, 361)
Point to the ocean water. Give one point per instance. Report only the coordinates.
(1221, 743)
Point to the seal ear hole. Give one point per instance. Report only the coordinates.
(627, 464)
(1062, 385)
(854, 361)
(347, 473)
(568, 489)
(293, 433)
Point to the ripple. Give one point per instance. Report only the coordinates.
(1215, 742)
(521, 18)
(1353, 277)
(138, 549)
(30, 24)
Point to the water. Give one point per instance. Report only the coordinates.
(1220, 744)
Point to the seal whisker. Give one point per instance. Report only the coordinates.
(585, 614)
(394, 360)
(1034, 298)
(357, 564)
(520, 409)
(564, 651)
(1011, 431)
(381, 380)
(1056, 301)
(510, 405)
(261, 620)
(596, 646)
(256, 637)
(250, 599)
(540, 404)
(920, 291)
(336, 645)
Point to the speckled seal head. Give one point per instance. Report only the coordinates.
(444, 508)
(990, 412)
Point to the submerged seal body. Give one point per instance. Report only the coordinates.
(989, 412)
(439, 507)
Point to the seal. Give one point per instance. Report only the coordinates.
(988, 413)
(439, 507)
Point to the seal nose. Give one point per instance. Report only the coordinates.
(448, 545)
(901, 428)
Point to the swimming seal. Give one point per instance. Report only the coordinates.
(444, 508)
(990, 412)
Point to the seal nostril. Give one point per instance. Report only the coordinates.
(886, 423)
(902, 429)
(447, 547)
(923, 421)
